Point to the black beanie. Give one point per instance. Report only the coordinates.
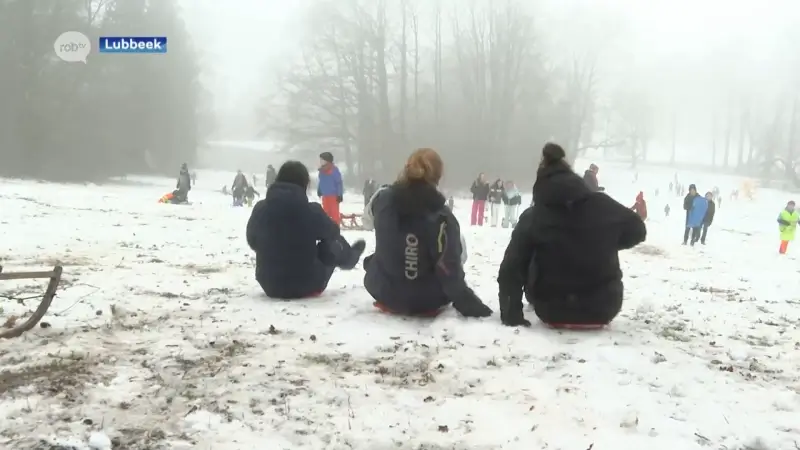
(692, 186)
(552, 153)
(326, 156)
(293, 172)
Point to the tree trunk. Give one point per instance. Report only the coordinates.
(404, 73)
(744, 119)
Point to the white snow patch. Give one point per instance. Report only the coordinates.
(161, 338)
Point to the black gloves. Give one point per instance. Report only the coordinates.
(472, 306)
(339, 199)
(511, 312)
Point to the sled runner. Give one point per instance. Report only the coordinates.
(351, 222)
(55, 278)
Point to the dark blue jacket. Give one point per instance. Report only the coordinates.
(284, 229)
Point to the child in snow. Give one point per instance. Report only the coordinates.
(330, 188)
(709, 218)
(695, 214)
(250, 194)
(666, 210)
(297, 245)
(495, 199)
(238, 187)
(640, 206)
(512, 199)
(480, 192)
(787, 225)
(167, 198)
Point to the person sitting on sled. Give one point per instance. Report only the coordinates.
(563, 252)
(168, 197)
(297, 245)
(416, 268)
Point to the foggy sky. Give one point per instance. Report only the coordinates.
(670, 48)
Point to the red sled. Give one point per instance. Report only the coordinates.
(427, 314)
(576, 326)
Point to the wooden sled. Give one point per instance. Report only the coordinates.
(55, 278)
(351, 222)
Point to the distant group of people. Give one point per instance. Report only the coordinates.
(562, 254)
(498, 195)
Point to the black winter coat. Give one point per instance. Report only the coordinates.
(416, 267)
(370, 187)
(480, 191)
(496, 192)
(563, 252)
(590, 178)
(712, 209)
(688, 202)
(283, 230)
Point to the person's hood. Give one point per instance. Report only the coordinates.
(558, 185)
(284, 190)
(409, 199)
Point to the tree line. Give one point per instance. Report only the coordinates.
(114, 115)
(477, 81)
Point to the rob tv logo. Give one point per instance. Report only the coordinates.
(133, 44)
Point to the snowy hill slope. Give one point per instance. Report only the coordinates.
(161, 338)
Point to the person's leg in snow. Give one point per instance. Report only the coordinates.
(473, 219)
(704, 234)
(784, 246)
(686, 232)
(481, 212)
(339, 253)
(495, 212)
(330, 204)
(695, 235)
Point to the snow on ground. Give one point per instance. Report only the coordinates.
(160, 338)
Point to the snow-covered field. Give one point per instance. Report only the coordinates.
(160, 338)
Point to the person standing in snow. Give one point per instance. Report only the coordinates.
(787, 225)
(297, 245)
(270, 178)
(666, 210)
(590, 178)
(417, 267)
(194, 178)
(695, 215)
(250, 194)
(495, 200)
(688, 202)
(640, 206)
(370, 188)
(330, 187)
(480, 192)
(512, 199)
(183, 186)
(563, 253)
(368, 219)
(709, 218)
(238, 188)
